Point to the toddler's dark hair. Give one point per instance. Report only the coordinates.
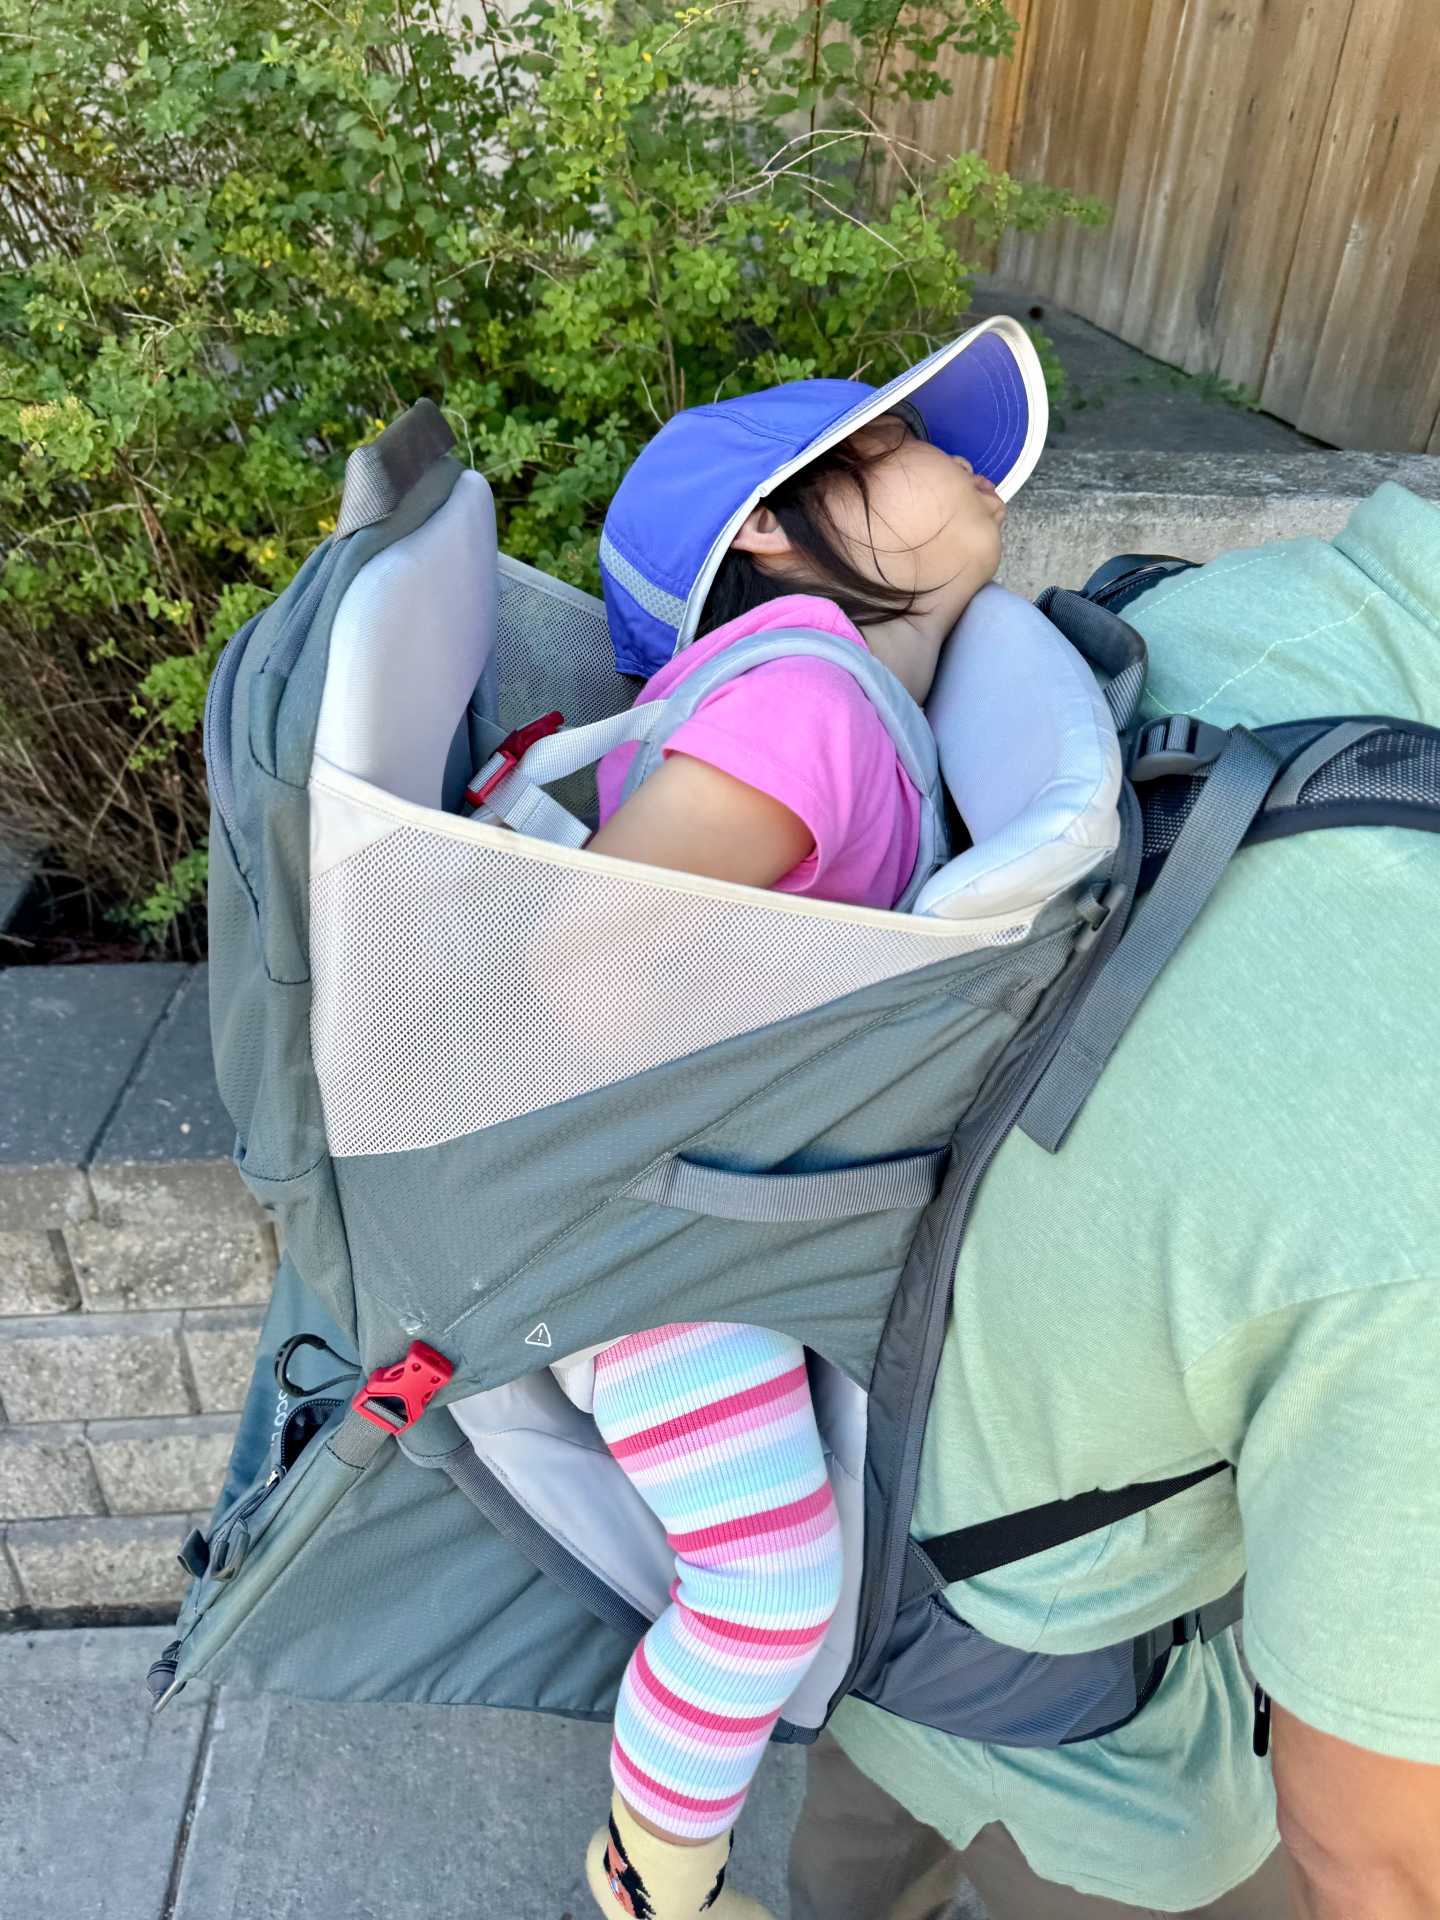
(802, 507)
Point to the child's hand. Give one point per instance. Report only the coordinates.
(691, 817)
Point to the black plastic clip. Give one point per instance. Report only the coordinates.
(1179, 744)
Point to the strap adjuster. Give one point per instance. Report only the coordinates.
(510, 752)
(412, 1382)
(1179, 744)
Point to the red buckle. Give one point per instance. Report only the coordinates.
(512, 750)
(412, 1382)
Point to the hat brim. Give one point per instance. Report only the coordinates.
(983, 397)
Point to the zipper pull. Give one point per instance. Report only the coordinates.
(1261, 1738)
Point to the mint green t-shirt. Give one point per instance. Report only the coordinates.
(1236, 1254)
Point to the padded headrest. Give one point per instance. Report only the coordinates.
(411, 641)
(1030, 755)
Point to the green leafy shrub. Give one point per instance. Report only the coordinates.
(237, 236)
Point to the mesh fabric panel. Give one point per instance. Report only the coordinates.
(554, 650)
(1388, 766)
(464, 979)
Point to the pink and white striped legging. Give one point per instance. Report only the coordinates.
(715, 1427)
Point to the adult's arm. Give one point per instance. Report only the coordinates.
(1362, 1830)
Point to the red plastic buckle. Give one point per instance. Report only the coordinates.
(412, 1382)
(512, 750)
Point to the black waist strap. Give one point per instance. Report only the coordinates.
(1015, 1536)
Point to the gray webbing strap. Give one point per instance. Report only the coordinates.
(838, 1195)
(1207, 1622)
(1232, 796)
(378, 477)
(1303, 768)
(356, 1440)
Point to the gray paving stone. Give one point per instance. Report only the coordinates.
(92, 1366)
(45, 1473)
(481, 1810)
(203, 1262)
(35, 1274)
(97, 1785)
(10, 1596)
(221, 1346)
(165, 1152)
(121, 1561)
(144, 1191)
(161, 1466)
(70, 1037)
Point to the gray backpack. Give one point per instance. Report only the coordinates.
(508, 1101)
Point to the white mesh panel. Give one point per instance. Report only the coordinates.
(464, 975)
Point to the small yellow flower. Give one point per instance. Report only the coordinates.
(267, 552)
(59, 326)
(599, 93)
(327, 525)
(263, 265)
(647, 57)
(378, 424)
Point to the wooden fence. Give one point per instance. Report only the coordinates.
(1273, 170)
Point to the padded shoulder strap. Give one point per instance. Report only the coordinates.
(1233, 793)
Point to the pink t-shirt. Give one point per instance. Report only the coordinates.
(803, 731)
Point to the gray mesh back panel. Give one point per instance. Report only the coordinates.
(555, 652)
(1388, 766)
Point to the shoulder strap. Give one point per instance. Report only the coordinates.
(1204, 794)
(1119, 581)
(969, 1551)
(1233, 794)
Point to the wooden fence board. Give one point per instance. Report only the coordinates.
(1355, 356)
(1273, 171)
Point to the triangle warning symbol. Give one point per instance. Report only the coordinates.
(539, 1337)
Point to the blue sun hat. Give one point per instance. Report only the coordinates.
(689, 491)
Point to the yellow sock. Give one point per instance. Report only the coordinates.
(636, 1873)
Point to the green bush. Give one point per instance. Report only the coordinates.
(237, 236)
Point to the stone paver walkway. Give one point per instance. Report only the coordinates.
(230, 1809)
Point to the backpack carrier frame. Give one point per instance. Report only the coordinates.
(508, 1101)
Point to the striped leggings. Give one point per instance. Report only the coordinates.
(714, 1426)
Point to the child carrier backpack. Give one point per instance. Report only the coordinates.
(508, 1101)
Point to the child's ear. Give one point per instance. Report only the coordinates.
(762, 533)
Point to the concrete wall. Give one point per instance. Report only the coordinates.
(133, 1264)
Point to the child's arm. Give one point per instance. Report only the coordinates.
(691, 817)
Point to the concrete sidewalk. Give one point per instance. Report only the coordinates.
(229, 1809)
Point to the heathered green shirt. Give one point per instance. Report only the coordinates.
(1237, 1254)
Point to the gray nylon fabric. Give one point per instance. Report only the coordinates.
(1233, 795)
(378, 476)
(874, 1188)
(811, 1094)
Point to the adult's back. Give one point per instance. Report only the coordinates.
(1237, 1254)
